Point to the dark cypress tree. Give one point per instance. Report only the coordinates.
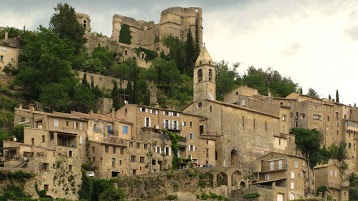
(337, 96)
(129, 91)
(84, 80)
(115, 96)
(190, 55)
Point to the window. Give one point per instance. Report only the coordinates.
(211, 108)
(254, 123)
(167, 151)
(292, 196)
(176, 125)
(130, 144)
(191, 136)
(191, 147)
(146, 122)
(133, 158)
(55, 123)
(272, 165)
(201, 129)
(113, 162)
(93, 149)
(141, 159)
(243, 121)
(120, 162)
(200, 75)
(295, 164)
(265, 125)
(32, 141)
(114, 150)
(46, 187)
(70, 154)
(267, 176)
(292, 186)
(166, 123)
(280, 164)
(106, 149)
(327, 118)
(207, 153)
(142, 109)
(138, 145)
(284, 118)
(45, 166)
(43, 138)
(145, 146)
(331, 172)
(66, 123)
(292, 175)
(122, 150)
(210, 74)
(158, 150)
(317, 117)
(191, 124)
(183, 123)
(125, 130)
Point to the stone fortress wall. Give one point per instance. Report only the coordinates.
(175, 21)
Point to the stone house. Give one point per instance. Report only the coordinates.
(350, 138)
(9, 52)
(329, 175)
(198, 148)
(287, 175)
(242, 133)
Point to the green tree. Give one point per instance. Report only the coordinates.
(43, 54)
(12, 32)
(83, 99)
(100, 186)
(116, 97)
(85, 192)
(125, 34)
(190, 55)
(308, 141)
(176, 52)
(112, 194)
(55, 97)
(64, 23)
(311, 92)
(106, 57)
(226, 80)
(337, 96)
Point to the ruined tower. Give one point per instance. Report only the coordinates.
(85, 21)
(204, 77)
(177, 21)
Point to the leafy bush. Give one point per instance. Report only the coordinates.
(19, 175)
(172, 197)
(252, 195)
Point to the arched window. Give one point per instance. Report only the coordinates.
(210, 74)
(200, 75)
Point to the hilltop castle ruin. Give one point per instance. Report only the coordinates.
(175, 21)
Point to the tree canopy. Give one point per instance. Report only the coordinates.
(64, 23)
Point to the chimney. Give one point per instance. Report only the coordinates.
(113, 113)
(6, 35)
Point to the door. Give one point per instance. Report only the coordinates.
(279, 197)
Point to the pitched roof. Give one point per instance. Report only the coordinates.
(204, 58)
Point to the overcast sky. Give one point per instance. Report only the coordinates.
(315, 42)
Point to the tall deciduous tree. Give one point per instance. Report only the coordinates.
(226, 79)
(64, 23)
(311, 92)
(44, 59)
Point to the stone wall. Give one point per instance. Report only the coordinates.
(103, 82)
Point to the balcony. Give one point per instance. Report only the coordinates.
(114, 140)
(172, 127)
(182, 142)
(274, 168)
